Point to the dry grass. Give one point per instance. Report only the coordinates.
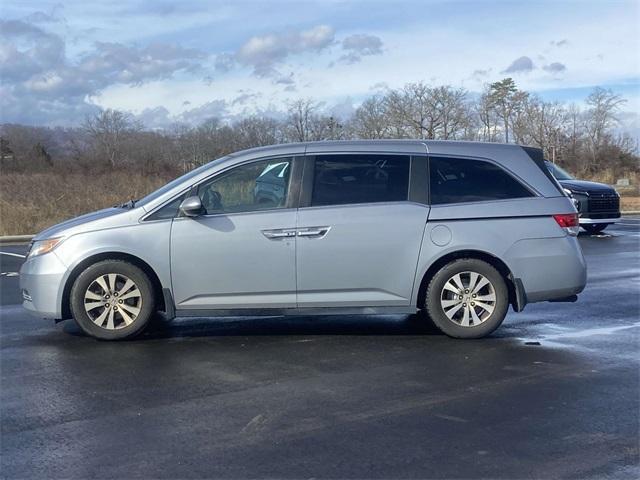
(630, 204)
(32, 202)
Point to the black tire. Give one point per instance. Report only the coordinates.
(594, 228)
(435, 293)
(122, 330)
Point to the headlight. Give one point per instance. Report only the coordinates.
(43, 246)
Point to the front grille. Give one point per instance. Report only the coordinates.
(603, 202)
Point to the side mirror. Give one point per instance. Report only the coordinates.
(191, 207)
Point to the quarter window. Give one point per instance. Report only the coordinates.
(345, 179)
(255, 186)
(170, 210)
(456, 180)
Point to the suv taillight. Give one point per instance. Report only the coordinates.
(568, 221)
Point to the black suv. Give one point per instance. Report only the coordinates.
(598, 204)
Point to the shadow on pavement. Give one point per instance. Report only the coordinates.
(243, 326)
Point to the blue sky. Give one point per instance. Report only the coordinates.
(188, 60)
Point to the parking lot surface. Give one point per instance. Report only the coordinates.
(555, 392)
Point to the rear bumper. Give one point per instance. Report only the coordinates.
(549, 268)
(41, 283)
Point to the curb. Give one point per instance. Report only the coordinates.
(16, 239)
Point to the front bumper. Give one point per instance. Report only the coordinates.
(608, 218)
(41, 283)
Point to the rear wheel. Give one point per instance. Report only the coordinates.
(112, 300)
(594, 228)
(467, 298)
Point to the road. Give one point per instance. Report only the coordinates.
(555, 392)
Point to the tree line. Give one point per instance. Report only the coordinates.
(583, 139)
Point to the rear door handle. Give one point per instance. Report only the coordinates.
(313, 231)
(279, 234)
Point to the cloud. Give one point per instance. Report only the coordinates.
(224, 62)
(158, 117)
(197, 115)
(38, 76)
(559, 43)
(244, 98)
(286, 80)
(358, 46)
(265, 52)
(520, 65)
(555, 67)
(481, 72)
(118, 63)
(26, 50)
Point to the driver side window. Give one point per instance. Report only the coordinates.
(255, 186)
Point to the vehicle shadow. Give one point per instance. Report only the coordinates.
(289, 325)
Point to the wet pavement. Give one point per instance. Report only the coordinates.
(555, 392)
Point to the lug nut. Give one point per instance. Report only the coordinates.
(119, 301)
(106, 296)
(473, 304)
(474, 295)
(460, 297)
(115, 307)
(115, 294)
(464, 304)
(466, 291)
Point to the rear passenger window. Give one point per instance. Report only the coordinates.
(344, 179)
(456, 180)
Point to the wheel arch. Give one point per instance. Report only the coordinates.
(514, 298)
(127, 257)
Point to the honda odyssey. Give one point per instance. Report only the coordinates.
(453, 231)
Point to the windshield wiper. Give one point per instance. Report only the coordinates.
(130, 204)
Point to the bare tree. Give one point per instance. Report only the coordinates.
(412, 111)
(600, 118)
(301, 115)
(108, 130)
(487, 117)
(449, 105)
(370, 120)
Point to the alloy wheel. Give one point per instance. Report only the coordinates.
(113, 301)
(468, 299)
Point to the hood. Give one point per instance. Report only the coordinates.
(584, 186)
(81, 223)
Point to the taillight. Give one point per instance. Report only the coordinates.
(568, 221)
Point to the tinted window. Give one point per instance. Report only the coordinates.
(342, 179)
(455, 180)
(255, 186)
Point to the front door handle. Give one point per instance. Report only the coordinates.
(278, 234)
(313, 231)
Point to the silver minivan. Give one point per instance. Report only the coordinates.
(450, 231)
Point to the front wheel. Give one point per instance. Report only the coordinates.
(594, 228)
(467, 298)
(112, 300)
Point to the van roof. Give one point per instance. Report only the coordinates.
(381, 145)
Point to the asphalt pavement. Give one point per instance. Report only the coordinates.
(554, 393)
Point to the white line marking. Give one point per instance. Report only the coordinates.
(13, 254)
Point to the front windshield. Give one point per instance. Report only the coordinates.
(558, 172)
(162, 190)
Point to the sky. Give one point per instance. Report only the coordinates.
(186, 61)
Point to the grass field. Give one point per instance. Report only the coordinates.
(30, 203)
